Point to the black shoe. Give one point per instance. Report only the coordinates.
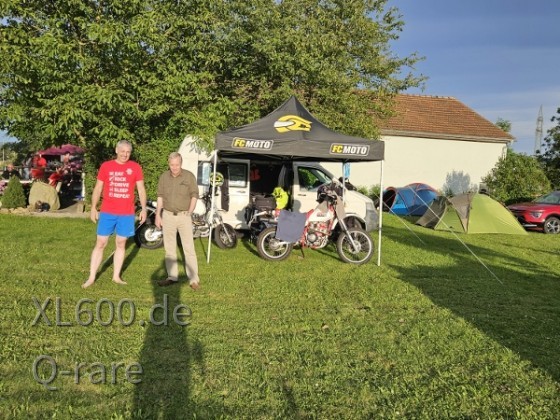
(167, 282)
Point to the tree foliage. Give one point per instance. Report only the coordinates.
(95, 72)
(505, 125)
(516, 177)
(550, 155)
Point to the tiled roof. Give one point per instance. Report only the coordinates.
(440, 117)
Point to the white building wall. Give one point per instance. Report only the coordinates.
(446, 165)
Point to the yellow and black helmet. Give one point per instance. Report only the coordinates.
(219, 179)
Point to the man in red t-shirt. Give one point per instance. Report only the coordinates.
(41, 161)
(116, 181)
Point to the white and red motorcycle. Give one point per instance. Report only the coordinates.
(323, 224)
(148, 236)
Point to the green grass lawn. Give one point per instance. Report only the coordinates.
(432, 333)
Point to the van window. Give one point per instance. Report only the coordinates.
(311, 178)
(203, 176)
(237, 174)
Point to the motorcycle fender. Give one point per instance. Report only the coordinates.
(360, 220)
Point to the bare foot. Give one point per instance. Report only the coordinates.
(119, 281)
(195, 285)
(87, 284)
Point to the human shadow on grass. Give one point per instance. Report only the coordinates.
(168, 357)
(516, 309)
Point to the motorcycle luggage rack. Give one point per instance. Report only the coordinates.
(263, 202)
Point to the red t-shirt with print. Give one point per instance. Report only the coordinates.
(119, 181)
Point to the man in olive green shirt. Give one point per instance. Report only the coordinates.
(177, 195)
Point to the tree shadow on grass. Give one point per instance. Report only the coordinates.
(514, 301)
(168, 357)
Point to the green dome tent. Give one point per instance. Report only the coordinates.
(470, 213)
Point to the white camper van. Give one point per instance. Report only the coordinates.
(261, 175)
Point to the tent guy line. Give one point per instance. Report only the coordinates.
(459, 239)
(406, 226)
(475, 256)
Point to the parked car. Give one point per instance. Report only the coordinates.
(543, 213)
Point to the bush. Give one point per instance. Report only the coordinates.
(14, 196)
(517, 177)
(372, 192)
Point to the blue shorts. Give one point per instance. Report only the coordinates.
(108, 224)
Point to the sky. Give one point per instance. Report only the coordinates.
(501, 58)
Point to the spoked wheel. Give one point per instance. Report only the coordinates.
(552, 225)
(271, 248)
(148, 236)
(225, 236)
(359, 250)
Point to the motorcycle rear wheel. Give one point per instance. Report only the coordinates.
(147, 236)
(364, 246)
(225, 236)
(271, 248)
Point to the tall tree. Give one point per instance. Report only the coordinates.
(550, 154)
(93, 72)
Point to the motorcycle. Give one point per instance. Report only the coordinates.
(224, 234)
(323, 224)
(260, 214)
(147, 235)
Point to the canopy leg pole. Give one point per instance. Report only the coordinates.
(213, 191)
(380, 216)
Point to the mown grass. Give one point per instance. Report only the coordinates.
(432, 333)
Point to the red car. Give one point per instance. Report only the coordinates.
(543, 213)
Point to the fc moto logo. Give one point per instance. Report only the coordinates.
(349, 149)
(239, 143)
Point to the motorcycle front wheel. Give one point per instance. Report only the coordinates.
(271, 248)
(148, 236)
(225, 236)
(359, 253)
